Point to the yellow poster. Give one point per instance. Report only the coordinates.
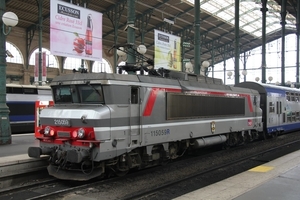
(167, 51)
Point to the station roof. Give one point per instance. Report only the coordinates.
(217, 22)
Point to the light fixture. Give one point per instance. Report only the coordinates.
(203, 67)
(277, 83)
(9, 19)
(288, 82)
(257, 79)
(131, 26)
(229, 74)
(9, 54)
(141, 49)
(270, 78)
(189, 67)
(244, 72)
(205, 64)
(168, 21)
(121, 52)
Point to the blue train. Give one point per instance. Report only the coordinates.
(280, 106)
(21, 103)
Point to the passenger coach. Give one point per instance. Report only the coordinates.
(280, 105)
(20, 100)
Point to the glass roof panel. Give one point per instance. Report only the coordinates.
(250, 14)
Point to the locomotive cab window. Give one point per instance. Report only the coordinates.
(91, 94)
(62, 94)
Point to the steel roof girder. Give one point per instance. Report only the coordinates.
(114, 14)
(29, 38)
(162, 23)
(142, 23)
(185, 33)
(123, 25)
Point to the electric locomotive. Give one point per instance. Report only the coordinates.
(105, 122)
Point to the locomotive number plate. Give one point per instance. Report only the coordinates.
(62, 122)
(63, 134)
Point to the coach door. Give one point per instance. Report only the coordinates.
(279, 111)
(135, 117)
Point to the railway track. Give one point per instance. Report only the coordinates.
(18, 172)
(156, 182)
(251, 160)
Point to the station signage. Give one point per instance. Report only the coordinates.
(186, 44)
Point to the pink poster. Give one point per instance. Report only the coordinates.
(43, 67)
(36, 67)
(75, 31)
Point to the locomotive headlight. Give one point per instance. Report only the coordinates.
(52, 132)
(74, 134)
(47, 130)
(81, 133)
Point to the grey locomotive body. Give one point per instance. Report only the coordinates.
(117, 122)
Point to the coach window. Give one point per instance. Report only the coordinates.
(30, 91)
(292, 97)
(294, 116)
(14, 90)
(271, 107)
(288, 97)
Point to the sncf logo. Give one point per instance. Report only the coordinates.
(249, 122)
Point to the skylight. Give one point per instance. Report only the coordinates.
(250, 14)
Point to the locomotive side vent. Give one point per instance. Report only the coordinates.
(184, 106)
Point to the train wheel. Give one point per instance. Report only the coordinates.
(122, 168)
(121, 173)
(263, 136)
(232, 140)
(115, 171)
(274, 134)
(248, 137)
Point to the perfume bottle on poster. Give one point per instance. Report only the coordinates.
(175, 55)
(89, 36)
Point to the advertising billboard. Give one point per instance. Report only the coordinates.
(75, 31)
(167, 51)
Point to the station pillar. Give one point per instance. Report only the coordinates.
(5, 130)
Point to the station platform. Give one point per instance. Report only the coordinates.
(18, 147)
(275, 180)
(14, 159)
